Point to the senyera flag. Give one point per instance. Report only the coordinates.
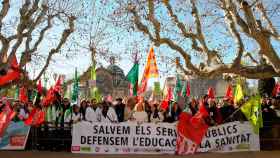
(150, 71)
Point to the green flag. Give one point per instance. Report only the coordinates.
(238, 93)
(252, 110)
(75, 93)
(177, 89)
(17, 92)
(184, 90)
(132, 77)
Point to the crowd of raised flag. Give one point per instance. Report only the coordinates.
(176, 107)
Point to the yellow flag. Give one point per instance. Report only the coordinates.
(238, 94)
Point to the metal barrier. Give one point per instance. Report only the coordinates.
(52, 137)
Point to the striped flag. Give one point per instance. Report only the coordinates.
(151, 71)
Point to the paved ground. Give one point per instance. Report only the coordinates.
(44, 154)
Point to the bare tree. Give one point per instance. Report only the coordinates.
(27, 25)
(213, 30)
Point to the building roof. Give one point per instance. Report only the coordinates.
(116, 70)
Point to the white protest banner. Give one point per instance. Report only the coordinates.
(233, 136)
(123, 137)
(149, 138)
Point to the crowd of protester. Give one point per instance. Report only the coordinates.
(62, 113)
(131, 109)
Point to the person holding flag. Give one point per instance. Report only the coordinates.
(227, 108)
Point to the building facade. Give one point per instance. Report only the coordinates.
(109, 81)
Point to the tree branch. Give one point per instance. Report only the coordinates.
(66, 33)
(250, 18)
(182, 27)
(238, 19)
(4, 11)
(151, 16)
(251, 58)
(229, 19)
(271, 28)
(212, 55)
(26, 55)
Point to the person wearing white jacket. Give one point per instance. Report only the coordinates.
(107, 113)
(92, 112)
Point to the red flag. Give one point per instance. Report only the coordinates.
(10, 76)
(6, 116)
(164, 104)
(14, 63)
(57, 86)
(211, 93)
(169, 94)
(229, 93)
(168, 97)
(188, 90)
(49, 97)
(22, 95)
(36, 117)
(29, 120)
(39, 87)
(188, 140)
(276, 89)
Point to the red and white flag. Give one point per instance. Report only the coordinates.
(185, 146)
(190, 131)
